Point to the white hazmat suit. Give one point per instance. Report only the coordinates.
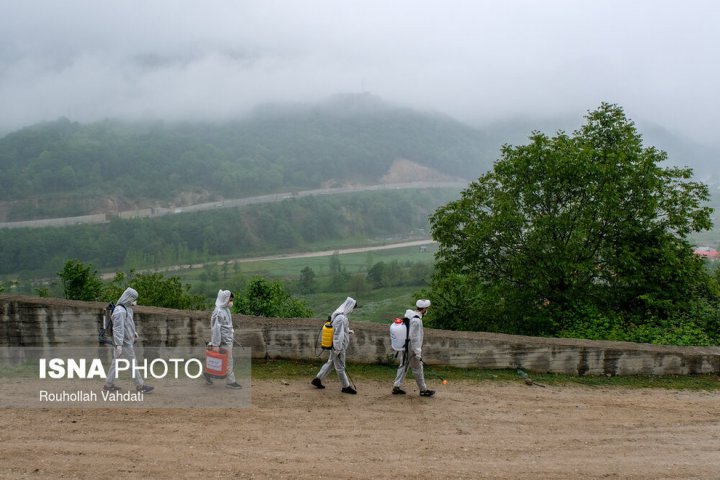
(222, 331)
(341, 340)
(413, 357)
(124, 335)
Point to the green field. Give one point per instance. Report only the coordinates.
(377, 305)
(291, 267)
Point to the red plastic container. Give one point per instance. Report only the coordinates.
(216, 363)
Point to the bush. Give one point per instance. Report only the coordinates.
(156, 290)
(269, 299)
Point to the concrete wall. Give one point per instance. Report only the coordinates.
(34, 321)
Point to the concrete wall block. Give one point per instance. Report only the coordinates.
(34, 321)
(254, 339)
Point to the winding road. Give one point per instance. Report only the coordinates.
(100, 218)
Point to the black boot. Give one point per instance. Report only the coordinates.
(398, 391)
(349, 390)
(145, 389)
(427, 393)
(318, 384)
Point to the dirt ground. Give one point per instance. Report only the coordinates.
(469, 430)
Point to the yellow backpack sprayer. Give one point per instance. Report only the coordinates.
(327, 334)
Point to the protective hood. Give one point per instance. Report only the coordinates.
(423, 303)
(346, 307)
(222, 298)
(127, 297)
(410, 313)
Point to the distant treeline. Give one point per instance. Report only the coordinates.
(273, 150)
(290, 225)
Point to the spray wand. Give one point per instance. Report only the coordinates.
(433, 373)
(528, 381)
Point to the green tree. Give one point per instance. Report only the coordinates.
(80, 281)
(41, 292)
(420, 273)
(358, 284)
(113, 290)
(393, 274)
(338, 275)
(336, 267)
(568, 228)
(376, 275)
(156, 290)
(269, 299)
(307, 282)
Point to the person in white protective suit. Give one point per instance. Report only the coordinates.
(412, 357)
(223, 334)
(124, 336)
(341, 340)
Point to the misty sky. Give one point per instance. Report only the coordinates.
(478, 60)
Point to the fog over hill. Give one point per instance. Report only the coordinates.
(480, 61)
(65, 168)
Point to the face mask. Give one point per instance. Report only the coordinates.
(230, 304)
(134, 303)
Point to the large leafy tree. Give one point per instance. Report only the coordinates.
(587, 227)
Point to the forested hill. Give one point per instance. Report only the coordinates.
(66, 168)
